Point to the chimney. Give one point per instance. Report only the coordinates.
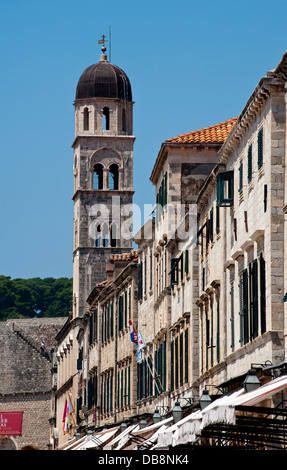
(110, 272)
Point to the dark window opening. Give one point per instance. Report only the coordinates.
(124, 120)
(114, 177)
(98, 177)
(106, 119)
(113, 235)
(86, 119)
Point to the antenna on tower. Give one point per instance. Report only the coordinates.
(110, 45)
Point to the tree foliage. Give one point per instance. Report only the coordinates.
(30, 298)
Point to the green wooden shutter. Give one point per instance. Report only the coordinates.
(211, 225)
(249, 157)
(186, 259)
(245, 307)
(140, 281)
(218, 332)
(217, 219)
(260, 148)
(172, 365)
(112, 319)
(232, 315)
(240, 189)
(186, 355)
(262, 294)
(255, 298)
(176, 362)
(126, 309)
(181, 359)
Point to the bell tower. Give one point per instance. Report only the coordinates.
(103, 174)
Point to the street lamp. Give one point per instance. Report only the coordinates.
(123, 426)
(156, 417)
(205, 399)
(142, 423)
(251, 381)
(177, 412)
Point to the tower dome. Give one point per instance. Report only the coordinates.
(104, 80)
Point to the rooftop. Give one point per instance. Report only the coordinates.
(212, 134)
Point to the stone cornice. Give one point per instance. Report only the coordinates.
(102, 136)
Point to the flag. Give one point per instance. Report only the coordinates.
(68, 409)
(141, 345)
(134, 336)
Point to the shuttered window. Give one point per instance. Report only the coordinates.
(262, 294)
(186, 355)
(225, 189)
(172, 365)
(249, 159)
(240, 188)
(232, 316)
(260, 148)
(140, 286)
(211, 225)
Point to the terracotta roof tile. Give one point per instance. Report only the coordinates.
(212, 134)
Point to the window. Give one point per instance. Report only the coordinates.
(160, 369)
(211, 225)
(124, 120)
(260, 148)
(176, 268)
(249, 159)
(161, 197)
(250, 302)
(240, 188)
(92, 392)
(86, 119)
(106, 119)
(225, 189)
(140, 284)
(98, 177)
(144, 378)
(107, 392)
(179, 360)
(93, 326)
(108, 321)
(217, 222)
(114, 177)
(113, 235)
(98, 237)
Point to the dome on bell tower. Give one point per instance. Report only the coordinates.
(104, 80)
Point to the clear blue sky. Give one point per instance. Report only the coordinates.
(191, 64)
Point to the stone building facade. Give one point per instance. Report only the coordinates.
(205, 286)
(25, 378)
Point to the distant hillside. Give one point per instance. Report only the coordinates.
(30, 298)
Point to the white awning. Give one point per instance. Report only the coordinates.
(92, 441)
(222, 410)
(121, 438)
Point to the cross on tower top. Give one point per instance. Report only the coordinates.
(103, 40)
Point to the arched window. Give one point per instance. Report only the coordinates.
(106, 119)
(114, 177)
(98, 238)
(124, 120)
(105, 235)
(113, 235)
(86, 119)
(98, 177)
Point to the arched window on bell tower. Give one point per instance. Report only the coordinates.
(113, 234)
(98, 176)
(114, 177)
(124, 120)
(86, 119)
(106, 119)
